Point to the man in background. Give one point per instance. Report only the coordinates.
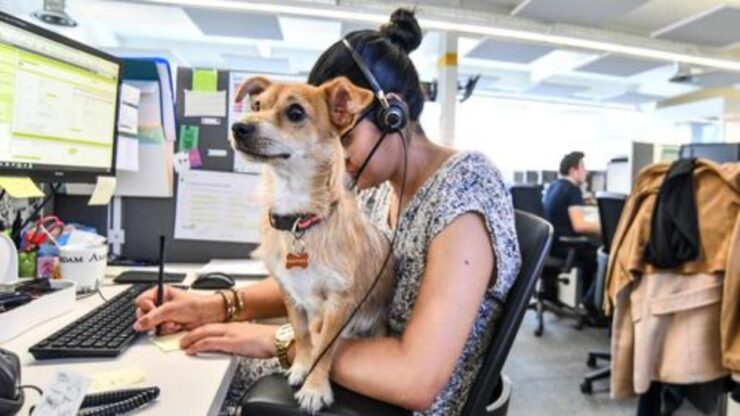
(564, 208)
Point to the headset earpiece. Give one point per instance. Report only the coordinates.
(392, 115)
(393, 118)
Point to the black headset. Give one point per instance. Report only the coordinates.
(393, 114)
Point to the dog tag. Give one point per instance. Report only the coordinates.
(296, 260)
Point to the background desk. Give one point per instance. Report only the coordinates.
(189, 385)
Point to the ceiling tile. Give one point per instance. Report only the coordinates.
(508, 51)
(717, 27)
(231, 24)
(620, 66)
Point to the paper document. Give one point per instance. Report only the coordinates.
(205, 104)
(128, 119)
(103, 192)
(20, 187)
(168, 343)
(236, 268)
(63, 395)
(127, 154)
(154, 178)
(130, 94)
(116, 379)
(217, 206)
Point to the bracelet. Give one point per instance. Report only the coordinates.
(228, 306)
(238, 302)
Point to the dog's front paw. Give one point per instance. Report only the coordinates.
(315, 397)
(296, 374)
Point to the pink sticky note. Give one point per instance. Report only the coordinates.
(195, 160)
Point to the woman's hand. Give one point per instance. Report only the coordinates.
(180, 310)
(236, 338)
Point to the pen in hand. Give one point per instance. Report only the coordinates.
(160, 281)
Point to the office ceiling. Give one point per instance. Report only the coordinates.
(206, 37)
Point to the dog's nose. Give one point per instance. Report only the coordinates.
(243, 130)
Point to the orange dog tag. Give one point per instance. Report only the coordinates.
(296, 260)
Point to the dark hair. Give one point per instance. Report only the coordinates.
(571, 160)
(386, 53)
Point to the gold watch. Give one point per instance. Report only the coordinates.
(283, 338)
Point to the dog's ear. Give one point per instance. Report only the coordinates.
(346, 102)
(253, 86)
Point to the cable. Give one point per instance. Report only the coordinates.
(32, 387)
(385, 262)
(102, 296)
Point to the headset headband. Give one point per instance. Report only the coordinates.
(368, 74)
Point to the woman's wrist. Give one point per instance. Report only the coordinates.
(212, 309)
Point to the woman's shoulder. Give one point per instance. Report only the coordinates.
(469, 173)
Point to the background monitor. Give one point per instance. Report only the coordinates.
(58, 105)
(716, 152)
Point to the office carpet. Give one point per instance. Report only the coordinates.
(546, 373)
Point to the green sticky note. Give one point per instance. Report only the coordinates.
(205, 80)
(189, 136)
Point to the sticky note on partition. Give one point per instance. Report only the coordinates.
(205, 80)
(189, 137)
(20, 187)
(103, 191)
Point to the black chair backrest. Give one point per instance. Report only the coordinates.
(535, 236)
(528, 198)
(610, 209)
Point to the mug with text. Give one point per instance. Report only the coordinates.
(84, 265)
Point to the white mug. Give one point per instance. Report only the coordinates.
(84, 265)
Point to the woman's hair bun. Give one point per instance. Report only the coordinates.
(403, 30)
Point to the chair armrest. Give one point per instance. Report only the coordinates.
(272, 396)
(575, 240)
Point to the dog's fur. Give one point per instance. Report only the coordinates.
(345, 250)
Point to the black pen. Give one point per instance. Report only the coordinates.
(160, 281)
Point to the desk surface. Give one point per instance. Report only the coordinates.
(189, 385)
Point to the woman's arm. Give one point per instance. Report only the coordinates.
(262, 300)
(411, 371)
(183, 310)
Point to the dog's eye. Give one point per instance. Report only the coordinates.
(255, 105)
(295, 113)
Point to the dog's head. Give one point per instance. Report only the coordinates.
(292, 122)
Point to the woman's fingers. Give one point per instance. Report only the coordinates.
(212, 330)
(156, 316)
(211, 344)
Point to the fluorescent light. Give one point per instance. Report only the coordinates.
(436, 24)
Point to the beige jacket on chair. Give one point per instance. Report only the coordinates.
(681, 325)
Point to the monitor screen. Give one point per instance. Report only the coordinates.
(58, 105)
(717, 152)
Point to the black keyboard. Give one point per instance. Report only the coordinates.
(103, 332)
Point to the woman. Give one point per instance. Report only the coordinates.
(456, 253)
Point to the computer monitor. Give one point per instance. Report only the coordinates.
(549, 176)
(716, 152)
(532, 177)
(58, 105)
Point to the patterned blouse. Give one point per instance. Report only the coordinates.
(466, 182)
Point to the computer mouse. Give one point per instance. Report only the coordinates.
(214, 280)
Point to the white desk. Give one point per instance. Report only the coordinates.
(189, 385)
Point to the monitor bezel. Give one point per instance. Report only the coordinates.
(67, 174)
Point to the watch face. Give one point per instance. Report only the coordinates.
(284, 333)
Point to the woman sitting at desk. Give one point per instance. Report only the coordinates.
(456, 258)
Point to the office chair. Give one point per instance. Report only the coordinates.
(610, 209)
(528, 198)
(272, 396)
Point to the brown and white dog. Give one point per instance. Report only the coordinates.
(323, 252)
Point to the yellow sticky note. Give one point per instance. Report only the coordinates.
(168, 343)
(20, 187)
(103, 192)
(205, 80)
(116, 379)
